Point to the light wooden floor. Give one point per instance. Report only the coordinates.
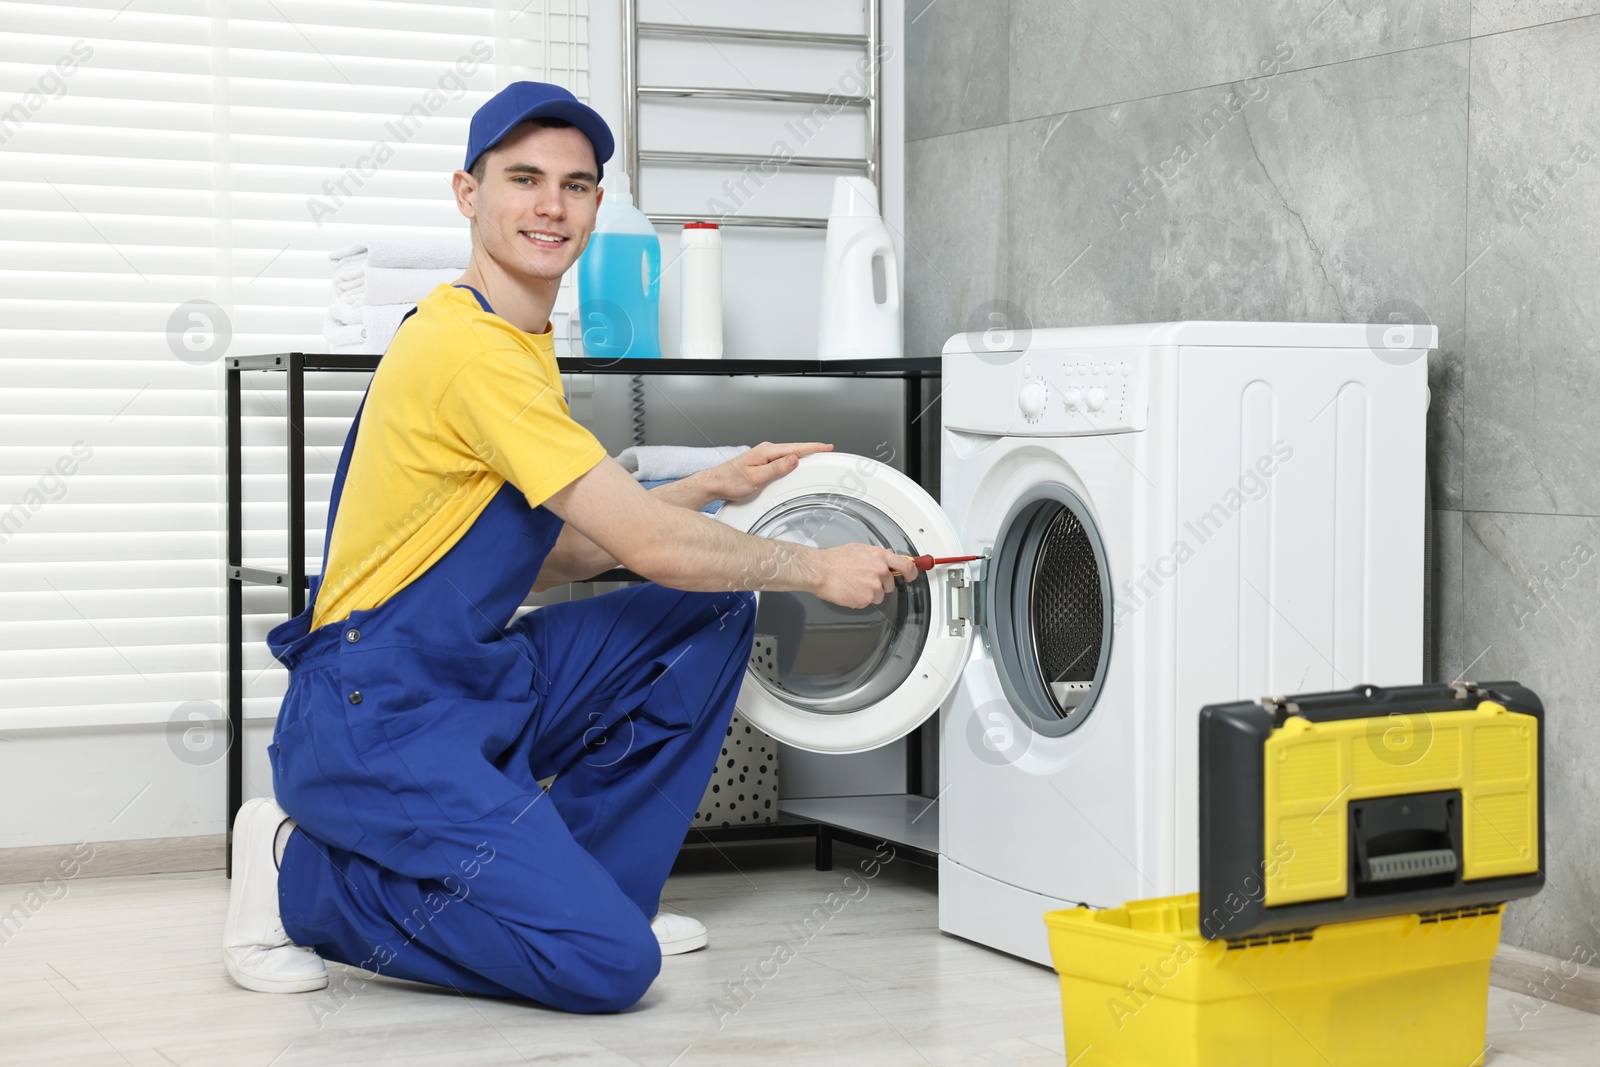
(127, 971)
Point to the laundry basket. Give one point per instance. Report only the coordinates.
(743, 790)
(1141, 988)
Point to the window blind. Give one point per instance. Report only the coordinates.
(173, 174)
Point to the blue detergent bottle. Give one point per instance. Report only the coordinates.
(619, 280)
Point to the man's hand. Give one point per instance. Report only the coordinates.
(748, 473)
(683, 549)
(858, 576)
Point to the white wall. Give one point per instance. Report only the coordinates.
(118, 783)
(141, 781)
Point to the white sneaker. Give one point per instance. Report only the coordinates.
(255, 948)
(678, 933)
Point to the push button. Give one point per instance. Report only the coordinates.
(352, 636)
(355, 696)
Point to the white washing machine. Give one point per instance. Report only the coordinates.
(1172, 515)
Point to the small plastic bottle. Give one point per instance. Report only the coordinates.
(619, 280)
(700, 321)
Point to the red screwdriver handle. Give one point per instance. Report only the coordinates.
(927, 563)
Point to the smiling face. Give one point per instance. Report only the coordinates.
(532, 199)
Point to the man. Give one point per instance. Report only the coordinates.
(419, 720)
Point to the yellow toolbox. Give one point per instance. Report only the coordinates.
(1140, 987)
(1356, 852)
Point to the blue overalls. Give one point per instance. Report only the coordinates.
(413, 735)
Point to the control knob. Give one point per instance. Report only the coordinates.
(1097, 399)
(1031, 399)
(1074, 399)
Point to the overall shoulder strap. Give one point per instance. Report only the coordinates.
(343, 468)
(339, 474)
(481, 301)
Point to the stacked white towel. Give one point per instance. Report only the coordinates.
(376, 282)
(660, 463)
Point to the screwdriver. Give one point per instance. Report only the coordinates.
(927, 563)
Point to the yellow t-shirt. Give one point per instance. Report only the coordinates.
(461, 403)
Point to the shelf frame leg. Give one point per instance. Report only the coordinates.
(234, 738)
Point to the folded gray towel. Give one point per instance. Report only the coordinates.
(653, 463)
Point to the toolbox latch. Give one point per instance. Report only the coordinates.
(1280, 707)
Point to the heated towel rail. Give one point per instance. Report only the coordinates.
(632, 92)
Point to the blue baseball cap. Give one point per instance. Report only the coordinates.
(521, 101)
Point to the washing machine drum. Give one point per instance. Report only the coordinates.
(1048, 609)
(831, 679)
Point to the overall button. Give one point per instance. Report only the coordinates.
(355, 697)
(352, 636)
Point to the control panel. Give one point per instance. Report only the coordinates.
(1049, 393)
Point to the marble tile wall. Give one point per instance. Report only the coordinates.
(1321, 160)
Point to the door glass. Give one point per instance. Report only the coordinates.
(825, 658)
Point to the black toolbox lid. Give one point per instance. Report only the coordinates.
(1397, 847)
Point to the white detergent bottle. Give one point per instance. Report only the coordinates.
(700, 291)
(860, 278)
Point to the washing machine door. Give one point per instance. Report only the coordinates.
(831, 679)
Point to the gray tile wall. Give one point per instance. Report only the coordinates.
(1107, 161)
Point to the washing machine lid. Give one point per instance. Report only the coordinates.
(831, 679)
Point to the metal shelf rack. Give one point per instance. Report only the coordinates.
(632, 92)
(914, 372)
